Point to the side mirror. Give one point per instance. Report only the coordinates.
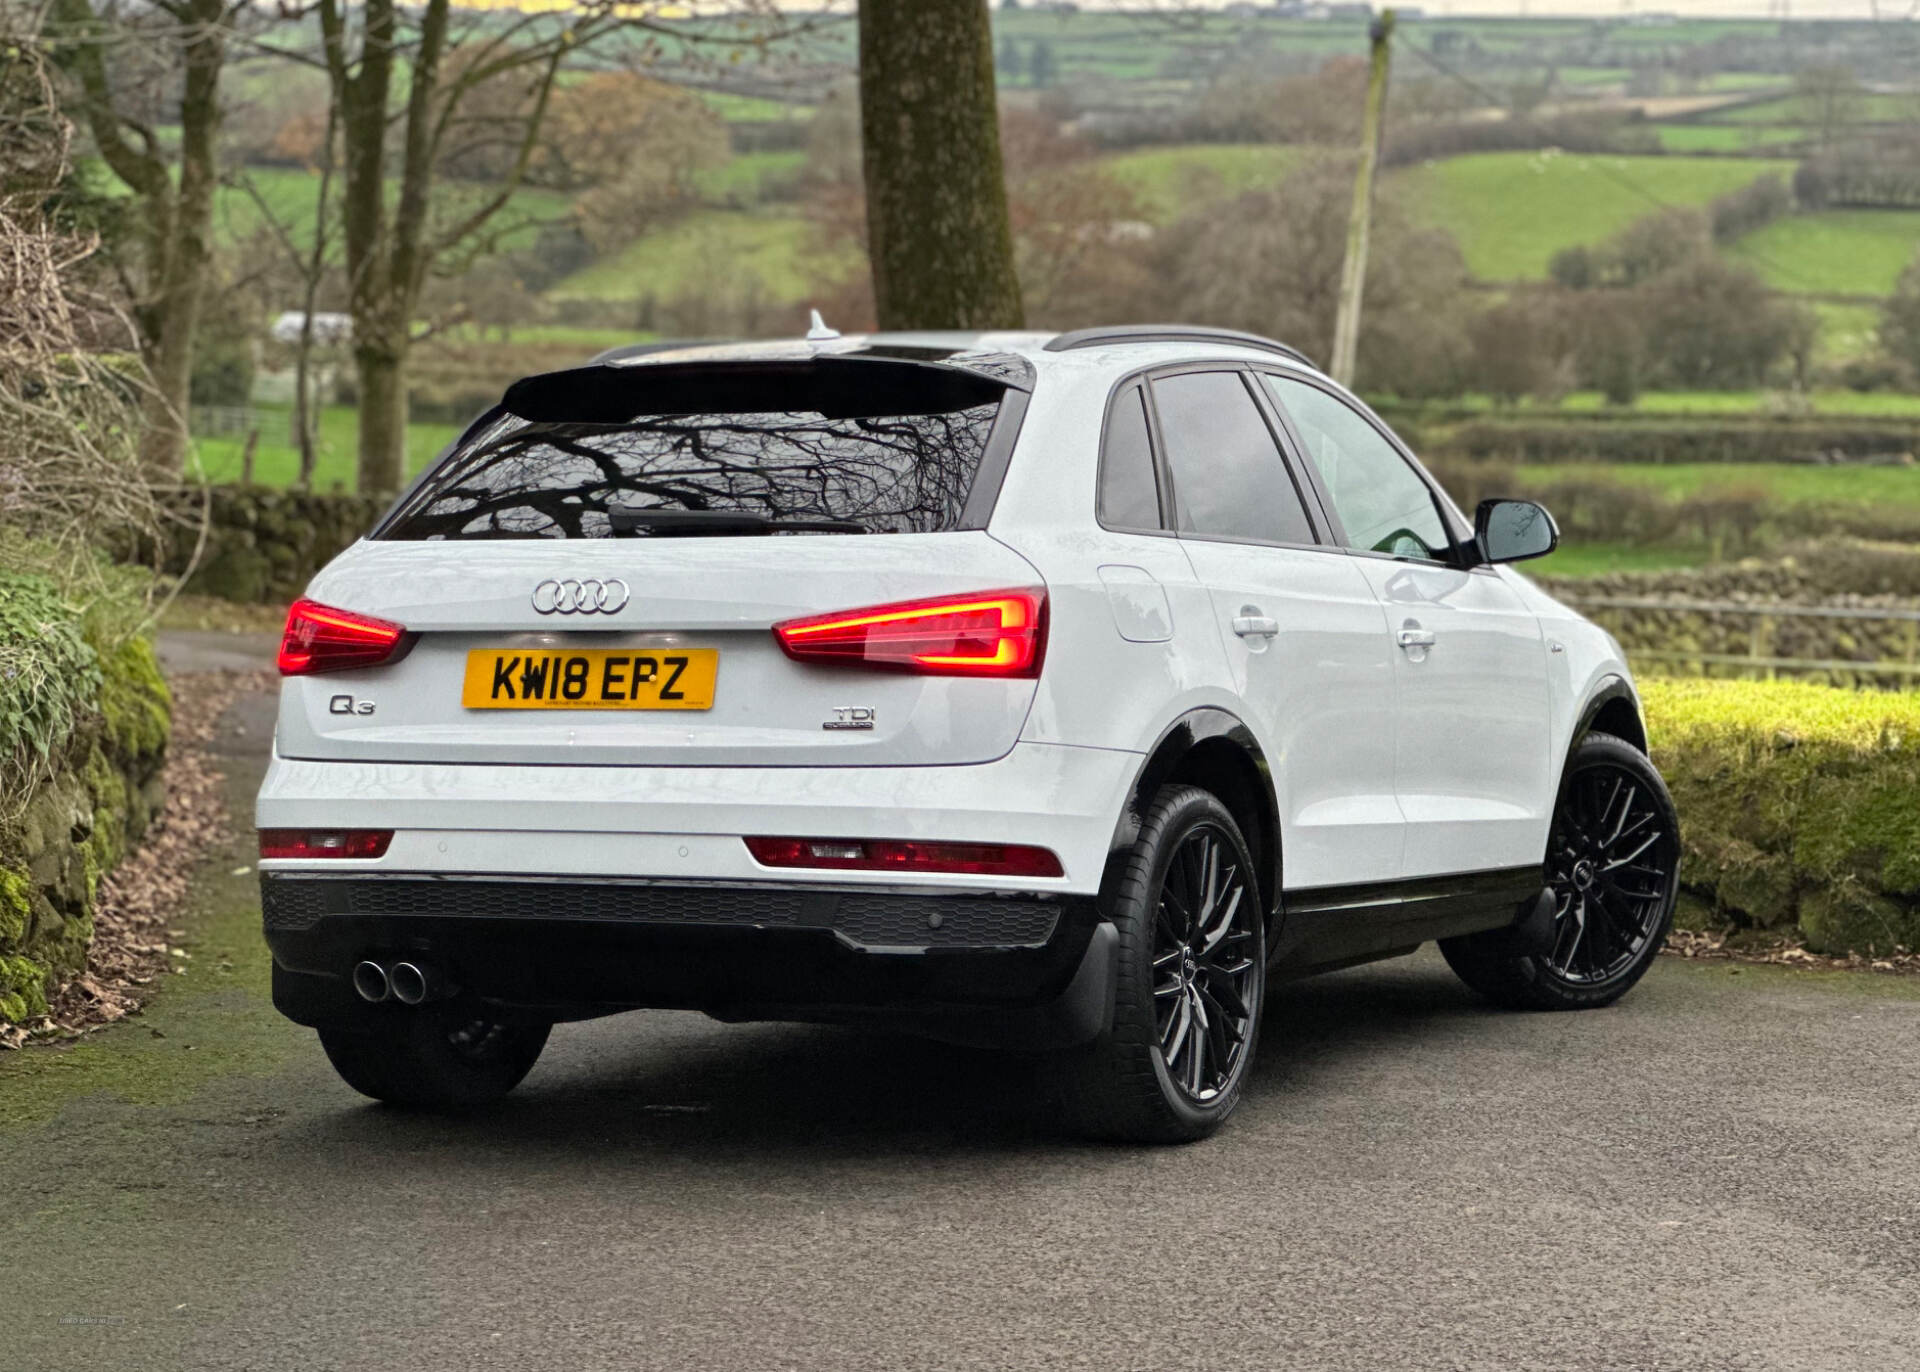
(1514, 530)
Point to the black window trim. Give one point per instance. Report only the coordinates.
(1459, 556)
(1163, 495)
(1307, 495)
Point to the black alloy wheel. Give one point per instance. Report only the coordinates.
(1613, 868)
(1203, 939)
(1190, 937)
(1612, 864)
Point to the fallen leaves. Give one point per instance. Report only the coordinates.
(136, 914)
(1783, 952)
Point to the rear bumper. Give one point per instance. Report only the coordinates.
(1005, 969)
(684, 824)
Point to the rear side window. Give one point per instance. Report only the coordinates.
(1129, 497)
(889, 458)
(1229, 480)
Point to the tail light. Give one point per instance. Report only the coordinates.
(320, 638)
(899, 855)
(325, 843)
(994, 633)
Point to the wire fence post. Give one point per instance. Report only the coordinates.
(1760, 644)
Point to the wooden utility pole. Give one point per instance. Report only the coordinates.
(1353, 272)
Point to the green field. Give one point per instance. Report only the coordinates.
(276, 461)
(290, 195)
(588, 339)
(1836, 401)
(1848, 332)
(1511, 211)
(1600, 559)
(1171, 180)
(752, 109)
(748, 176)
(1782, 483)
(1844, 252)
(1792, 109)
(1722, 137)
(716, 250)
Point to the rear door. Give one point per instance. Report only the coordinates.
(558, 609)
(1304, 635)
(1472, 762)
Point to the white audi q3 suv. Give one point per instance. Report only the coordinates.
(1054, 692)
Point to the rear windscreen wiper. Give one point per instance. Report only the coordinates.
(660, 523)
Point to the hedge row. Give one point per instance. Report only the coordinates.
(1653, 440)
(86, 719)
(1799, 806)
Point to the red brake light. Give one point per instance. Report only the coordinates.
(320, 638)
(994, 633)
(897, 855)
(324, 843)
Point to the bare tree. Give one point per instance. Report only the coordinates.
(69, 409)
(310, 262)
(392, 68)
(174, 214)
(1832, 97)
(937, 223)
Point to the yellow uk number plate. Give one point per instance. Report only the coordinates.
(590, 679)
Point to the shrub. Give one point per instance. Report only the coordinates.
(1638, 438)
(1751, 207)
(49, 677)
(1521, 349)
(1799, 806)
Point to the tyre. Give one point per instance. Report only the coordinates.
(1190, 984)
(1613, 864)
(435, 1058)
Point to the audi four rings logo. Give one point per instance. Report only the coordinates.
(570, 597)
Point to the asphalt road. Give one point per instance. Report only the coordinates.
(1721, 1172)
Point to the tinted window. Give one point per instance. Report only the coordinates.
(519, 478)
(1128, 497)
(1228, 477)
(1381, 500)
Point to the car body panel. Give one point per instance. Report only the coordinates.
(1383, 777)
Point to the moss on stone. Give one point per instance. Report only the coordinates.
(134, 703)
(16, 907)
(23, 988)
(1799, 804)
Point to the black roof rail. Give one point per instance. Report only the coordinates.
(1102, 335)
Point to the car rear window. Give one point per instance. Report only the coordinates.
(889, 447)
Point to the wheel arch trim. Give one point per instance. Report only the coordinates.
(1193, 730)
(1604, 693)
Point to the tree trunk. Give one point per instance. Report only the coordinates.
(383, 417)
(937, 226)
(191, 255)
(176, 220)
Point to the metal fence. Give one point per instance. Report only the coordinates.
(1759, 659)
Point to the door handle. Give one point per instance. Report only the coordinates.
(1416, 638)
(1255, 626)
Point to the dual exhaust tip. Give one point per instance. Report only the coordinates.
(407, 982)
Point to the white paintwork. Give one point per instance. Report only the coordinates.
(1383, 766)
(722, 593)
(1472, 756)
(634, 821)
